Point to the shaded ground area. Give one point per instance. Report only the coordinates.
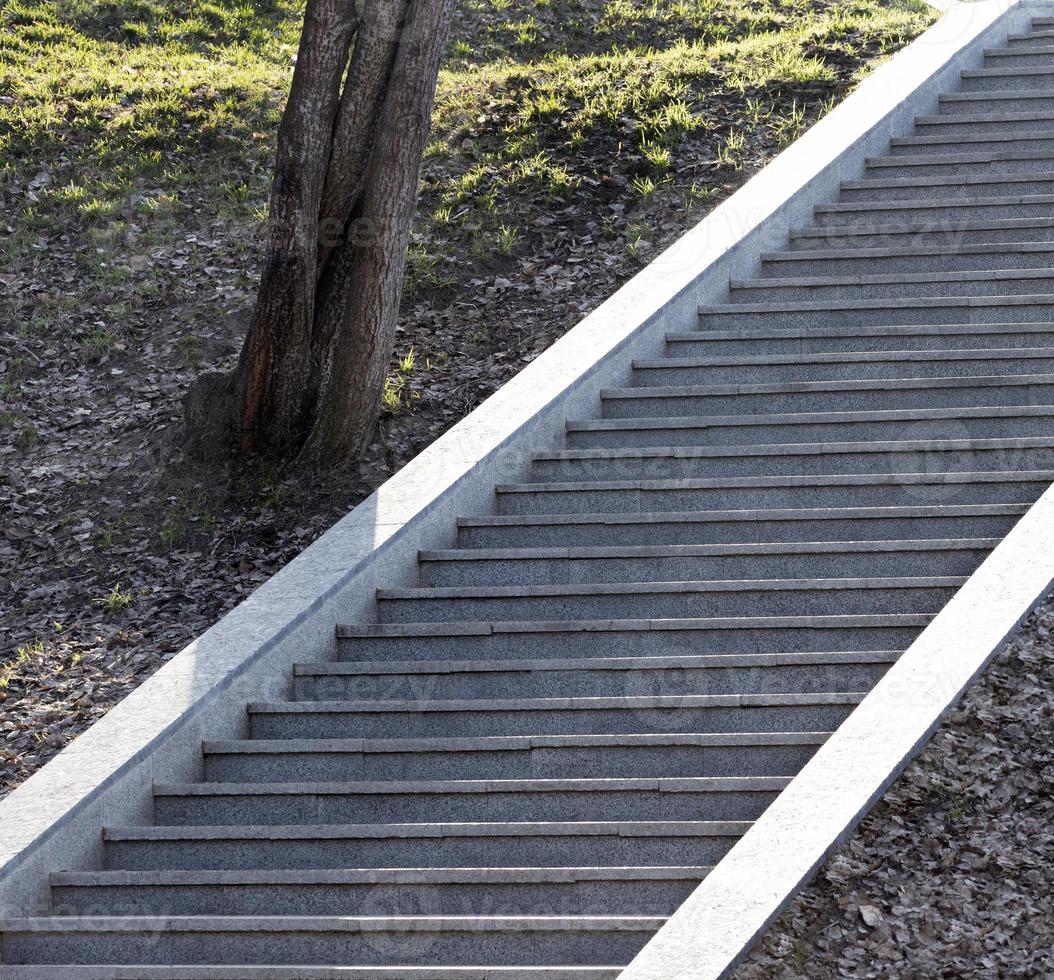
(573, 140)
(949, 876)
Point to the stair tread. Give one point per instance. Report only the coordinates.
(855, 384)
(968, 118)
(883, 302)
(579, 703)
(301, 972)
(796, 449)
(768, 514)
(493, 743)
(592, 828)
(663, 587)
(1031, 135)
(700, 550)
(298, 971)
(914, 228)
(851, 357)
(694, 784)
(891, 278)
(917, 204)
(914, 251)
(321, 876)
(1023, 70)
(871, 182)
(992, 155)
(794, 418)
(328, 923)
(847, 479)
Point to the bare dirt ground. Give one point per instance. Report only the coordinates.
(949, 876)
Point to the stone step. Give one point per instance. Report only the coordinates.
(805, 459)
(670, 565)
(600, 677)
(850, 365)
(929, 189)
(992, 161)
(993, 232)
(833, 339)
(531, 798)
(663, 599)
(930, 211)
(378, 891)
(769, 493)
(869, 263)
(898, 526)
(535, 757)
(984, 282)
(943, 143)
(424, 845)
(969, 123)
(287, 972)
(903, 394)
(1033, 56)
(623, 637)
(652, 714)
(322, 940)
(1031, 39)
(1017, 101)
(739, 430)
(1012, 78)
(879, 312)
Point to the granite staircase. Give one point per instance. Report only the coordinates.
(532, 757)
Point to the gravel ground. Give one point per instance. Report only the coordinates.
(950, 875)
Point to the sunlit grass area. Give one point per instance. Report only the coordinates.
(139, 110)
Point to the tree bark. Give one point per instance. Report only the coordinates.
(357, 315)
(350, 144)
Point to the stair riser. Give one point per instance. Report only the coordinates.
(258, 972)
(447, 898)
(1041, 56)
(951, 233)
(1036, 101)
(935, 366)
(423, 852)
(968, 127)
(994, 286)
(705, 568)
(1041, 40)
(1000, 427)
(700, 343)
(1036, 141)
(423, 947)
(650, 804)
(879, 399)
(644, 643)
(571, 721)
(882, 315)
(875, 191)
(1038, 207)
(784, 679)
(1038, 84)
(805, 464)
(634, 501)
(811, 602)
(949, 166)
(719, 532)
(887, 265)
(931, 215)
(601, 762)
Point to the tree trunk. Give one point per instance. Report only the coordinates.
(350, 144)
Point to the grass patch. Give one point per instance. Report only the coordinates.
(125, 125)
